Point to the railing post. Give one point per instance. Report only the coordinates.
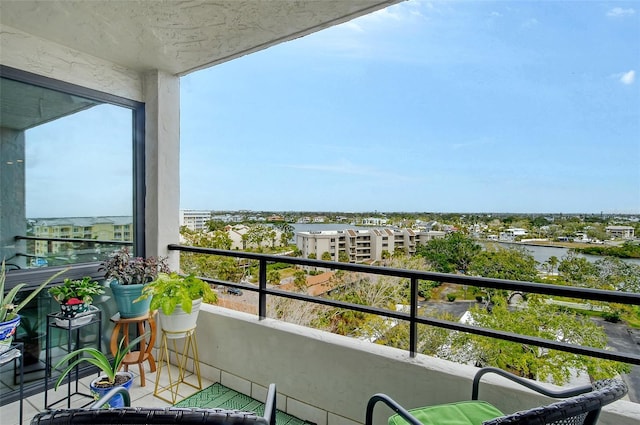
(262, 285)
(413, 325)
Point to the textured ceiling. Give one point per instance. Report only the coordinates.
(176, 36)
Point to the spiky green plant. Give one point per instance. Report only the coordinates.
(98, 359)
(8, 310)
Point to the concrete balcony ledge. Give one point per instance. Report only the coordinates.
(328, 379)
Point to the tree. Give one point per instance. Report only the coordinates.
(312, 256)
(258, 233)
(300, 279)
(326, 256)
(452, 253)
(500, 263)
(213, 225)
(578, 271)
(551, 264)
(343, 257)
(540, 319)
(273, 277)
(286, 233)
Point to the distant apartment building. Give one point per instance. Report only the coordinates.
(194, 219)
(362, 245)
(374, 221)
(240, 237)
(620, 232)
(109, 228)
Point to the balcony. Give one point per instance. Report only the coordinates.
(321, 377)
(327, 378)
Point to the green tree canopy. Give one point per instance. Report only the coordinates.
(540, 319)
(452, 253)
(504, 263)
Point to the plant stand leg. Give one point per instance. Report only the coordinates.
(189, 346)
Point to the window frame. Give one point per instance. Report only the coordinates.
(32, 277)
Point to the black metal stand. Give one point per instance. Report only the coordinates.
(16, 353)
(73, 328)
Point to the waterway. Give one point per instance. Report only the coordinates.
(540, 253)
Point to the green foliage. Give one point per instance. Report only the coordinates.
(8, 310)
(626, 250)
(82, 289)
(500, 263)
(273, 277)
(98, 359)
(539, 319)
(451, 297)
(326, 256)
(452, 253)
(300, 279)
(128, 270)
(312, 256)
(578, 271)
(170, 290)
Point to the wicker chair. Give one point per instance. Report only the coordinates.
(580, 406)
(147, 415)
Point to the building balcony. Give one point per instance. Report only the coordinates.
(327, 379)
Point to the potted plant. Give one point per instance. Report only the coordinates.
(110, 377)
(76, 295)
(178, 300)
(9, 317)
(128, 275)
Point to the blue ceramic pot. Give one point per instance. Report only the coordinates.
(124, 296)
(99, 392)
(7, 330)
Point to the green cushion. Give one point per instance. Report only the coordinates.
(462, 413)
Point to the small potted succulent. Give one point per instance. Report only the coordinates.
(127, 276)
(76, 295)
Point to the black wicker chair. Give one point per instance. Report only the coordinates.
(580, 406)
(147, 415)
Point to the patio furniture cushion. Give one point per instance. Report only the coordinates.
(461, 413)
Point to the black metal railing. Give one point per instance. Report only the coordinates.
(412, 316)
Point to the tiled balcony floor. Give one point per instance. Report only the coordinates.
(140, 396)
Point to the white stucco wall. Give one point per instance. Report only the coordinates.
(43, 57)
(328, 378)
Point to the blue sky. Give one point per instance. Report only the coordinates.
(426, 106)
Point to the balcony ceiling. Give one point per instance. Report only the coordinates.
(177, 36)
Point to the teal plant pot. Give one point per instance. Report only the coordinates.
(124, 296)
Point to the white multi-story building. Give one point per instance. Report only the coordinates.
(622, 232)
(194, 219)
(510, 235)
(362, 245)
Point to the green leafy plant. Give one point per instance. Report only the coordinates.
(8, 310)
(76, 291)
(98, 359)
(128, 270)
(169, 290)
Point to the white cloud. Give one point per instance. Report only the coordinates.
(628, 77)
(530, 23)
(618, 12)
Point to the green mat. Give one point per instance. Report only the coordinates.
(219, 396)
